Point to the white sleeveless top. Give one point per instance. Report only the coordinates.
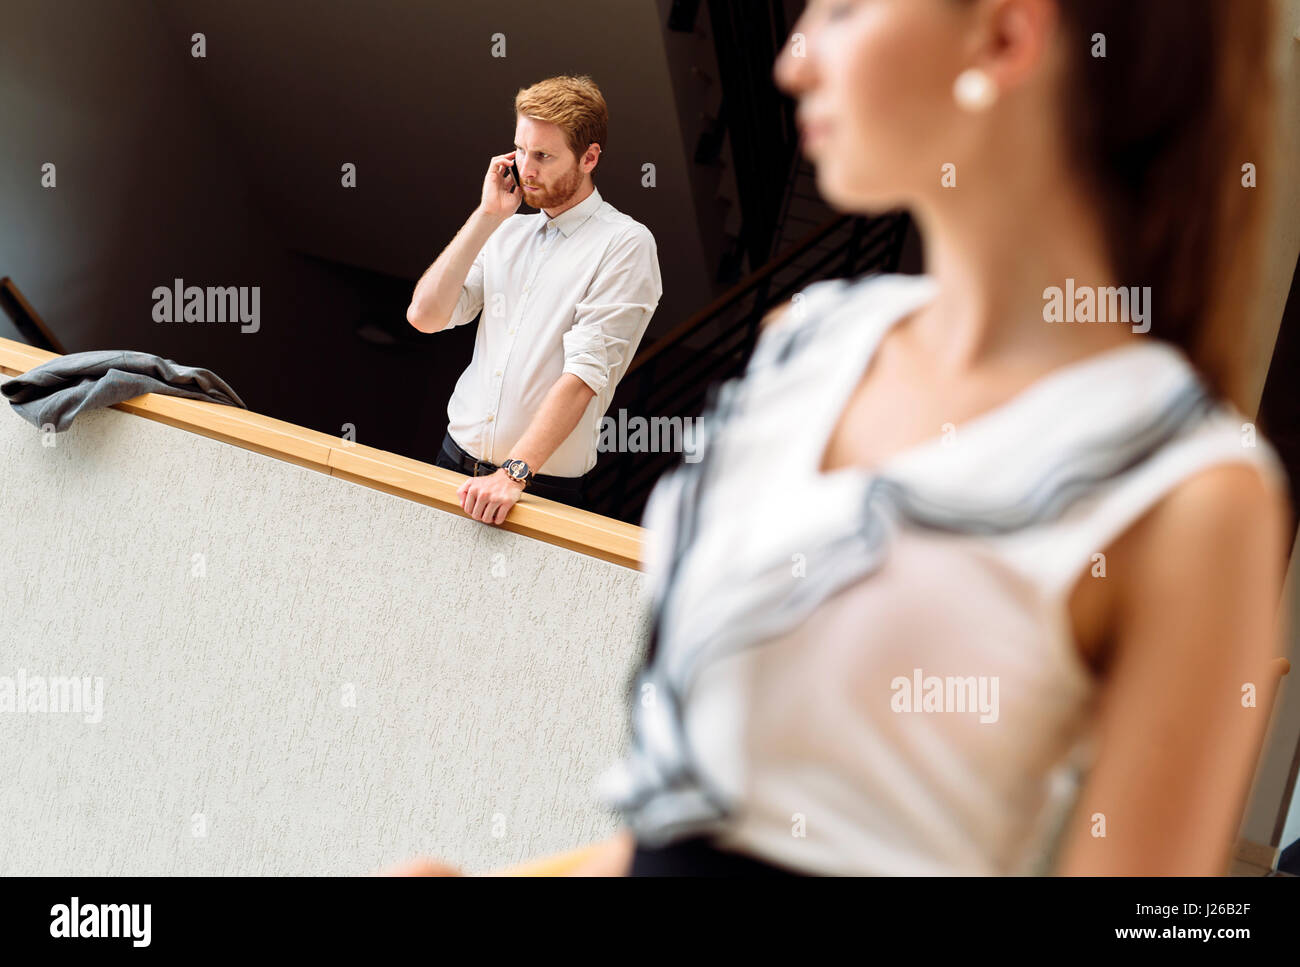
(874, 672)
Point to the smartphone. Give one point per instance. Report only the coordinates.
(514, 170)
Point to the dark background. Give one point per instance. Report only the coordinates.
(226, 170)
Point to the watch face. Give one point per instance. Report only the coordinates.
(516, 469)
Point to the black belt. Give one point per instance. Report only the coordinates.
(475, 467)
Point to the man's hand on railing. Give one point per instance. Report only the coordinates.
(489, 498)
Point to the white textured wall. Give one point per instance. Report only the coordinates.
(488, 668)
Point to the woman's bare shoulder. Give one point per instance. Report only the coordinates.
(1228, 503)
(1214, 547)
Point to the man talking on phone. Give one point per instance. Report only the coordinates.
(565, 296)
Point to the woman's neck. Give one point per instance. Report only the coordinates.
(992, 255)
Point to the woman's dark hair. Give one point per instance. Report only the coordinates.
(1161, 129)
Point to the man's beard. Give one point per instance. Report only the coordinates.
(564, 189)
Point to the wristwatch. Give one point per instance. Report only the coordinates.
(518, 470)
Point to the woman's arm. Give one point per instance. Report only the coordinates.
(1196, 618)
(611, 857)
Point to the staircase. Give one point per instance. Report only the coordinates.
(761, 220)
(720, 57)
(671, 377)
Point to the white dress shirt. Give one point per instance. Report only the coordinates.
(571, 294)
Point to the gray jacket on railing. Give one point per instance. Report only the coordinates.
(57, 391)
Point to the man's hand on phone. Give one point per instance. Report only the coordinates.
(501, 196)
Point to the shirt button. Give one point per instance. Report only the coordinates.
(512, 332)
(489, 419)
(498, 372)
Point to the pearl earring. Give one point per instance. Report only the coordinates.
(974, 90)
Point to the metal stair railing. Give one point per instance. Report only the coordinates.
(671, 377)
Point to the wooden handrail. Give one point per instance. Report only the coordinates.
(544, 520)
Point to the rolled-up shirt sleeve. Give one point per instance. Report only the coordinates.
(470, 302)
(614, 311)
